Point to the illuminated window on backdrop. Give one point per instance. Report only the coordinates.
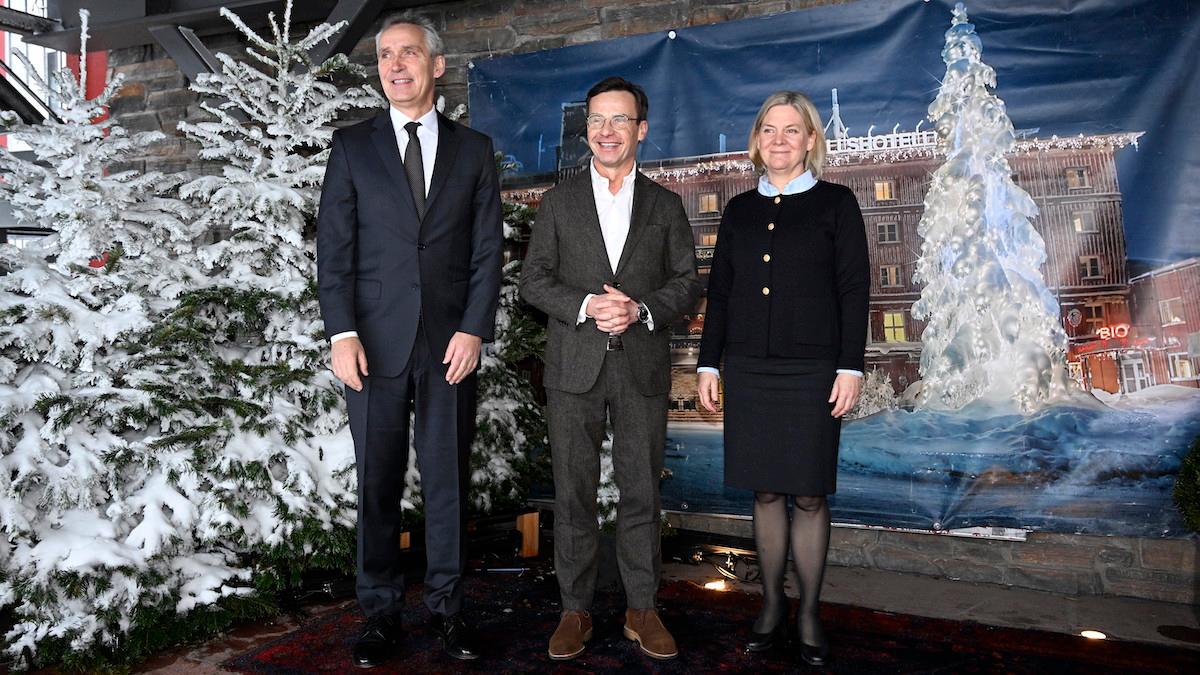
(1171, 310)
(1181, 366)
(893, 327)
(1077, 177)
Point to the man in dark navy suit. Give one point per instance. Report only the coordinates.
(409, 243)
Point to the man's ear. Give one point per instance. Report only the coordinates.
(439, 65)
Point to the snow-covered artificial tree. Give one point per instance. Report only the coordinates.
(994, 331)
(239, 370)
(81, 505)
(510, 424)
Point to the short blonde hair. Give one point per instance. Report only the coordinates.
(815, 160)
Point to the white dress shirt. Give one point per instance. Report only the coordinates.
(802, 183)
(615, 211)
(427, 133)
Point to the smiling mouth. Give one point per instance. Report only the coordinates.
(401, 80)
(609, 146)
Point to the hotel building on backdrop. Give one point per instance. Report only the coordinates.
(1124, 334)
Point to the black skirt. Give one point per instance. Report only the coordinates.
(779, 435)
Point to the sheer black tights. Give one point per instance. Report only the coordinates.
(808, 533)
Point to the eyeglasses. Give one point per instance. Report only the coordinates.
(619, 122)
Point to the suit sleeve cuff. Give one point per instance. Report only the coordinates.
(848, 371)
(708, 369)
(582, 316)
(343, 335)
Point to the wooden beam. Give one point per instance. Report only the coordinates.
(25, 24)
(527, 525)
(359, 15)
(182, 45)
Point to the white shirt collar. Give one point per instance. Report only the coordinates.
(801, 183)
(428, 121)
(600, 182)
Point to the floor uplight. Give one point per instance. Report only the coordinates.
(718, 585)
(1093, 635)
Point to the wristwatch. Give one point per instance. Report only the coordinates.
(643, 313)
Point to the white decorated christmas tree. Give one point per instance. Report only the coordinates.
(994, 332)
(239, 370)
(509, 421)
(77, 492)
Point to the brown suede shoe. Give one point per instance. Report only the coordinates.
(644, 627)
(574, 629)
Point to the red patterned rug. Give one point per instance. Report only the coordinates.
(514, 617)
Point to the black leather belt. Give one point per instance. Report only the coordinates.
(615, 344)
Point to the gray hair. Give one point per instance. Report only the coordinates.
(433, 41)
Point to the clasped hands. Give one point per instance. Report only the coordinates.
(349, 359)
(613, 311)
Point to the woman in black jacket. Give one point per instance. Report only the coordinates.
(787, 309)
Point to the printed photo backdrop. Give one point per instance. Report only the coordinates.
(1103, 162)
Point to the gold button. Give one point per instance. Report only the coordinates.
(766, 291)
(766, 257)
(778, 199)
(770, 226)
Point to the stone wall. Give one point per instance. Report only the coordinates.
(156, 96)
(1152, 569)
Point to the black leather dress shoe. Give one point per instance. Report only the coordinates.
(815, 655)
(455, 636)
(377, 641)
(761, 642)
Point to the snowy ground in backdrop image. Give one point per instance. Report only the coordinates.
(1104, 468)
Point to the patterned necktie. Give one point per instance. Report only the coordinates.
(414, 167)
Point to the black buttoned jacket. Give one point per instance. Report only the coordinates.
(790, 278)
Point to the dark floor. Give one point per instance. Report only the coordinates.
(1122, 619)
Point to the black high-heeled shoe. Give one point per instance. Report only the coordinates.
(777, 637)
(815, 655)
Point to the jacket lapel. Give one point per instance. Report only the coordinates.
(447, 148)
(384, 140)
(639, 220)
(584, 201)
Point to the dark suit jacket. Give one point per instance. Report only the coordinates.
(817, 279)
(380, 268)
(567, 260)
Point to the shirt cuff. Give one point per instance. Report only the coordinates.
(649, 318)
(343, 335)
(583, 309)
(708, 369)
(847, 371)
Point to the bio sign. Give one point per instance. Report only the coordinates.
(1120, 330)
